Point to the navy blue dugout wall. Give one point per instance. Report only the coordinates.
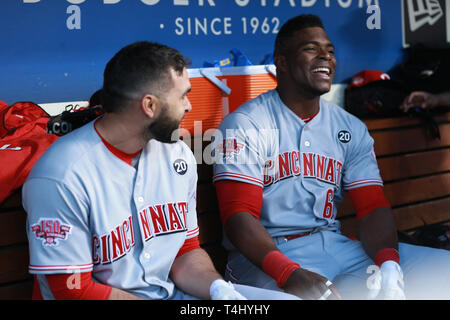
(56, 50)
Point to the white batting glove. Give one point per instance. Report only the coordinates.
(392, 281)
(388, 281)
(221, 290)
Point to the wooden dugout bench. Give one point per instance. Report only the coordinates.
(414, 167)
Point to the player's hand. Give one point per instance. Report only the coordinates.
(221, 290)
(388, 283)
(419, 99)
(311, 286)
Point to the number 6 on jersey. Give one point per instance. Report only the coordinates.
(328, 208)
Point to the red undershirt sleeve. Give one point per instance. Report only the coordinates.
(68, 287)
(189, 245)
(234, 197)
(366, 199)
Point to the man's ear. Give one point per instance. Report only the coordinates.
(280, 62)
(150, 105)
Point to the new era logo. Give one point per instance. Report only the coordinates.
(423, 12)
(8, 147)
(426, 22)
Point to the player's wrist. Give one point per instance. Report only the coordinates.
(390, 265)
(279, 267)
(215, 288)
(386, 254)
(222, 290)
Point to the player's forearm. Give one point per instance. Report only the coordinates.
(378, 231)
(193, 273)
(117, 294)
(250, 237)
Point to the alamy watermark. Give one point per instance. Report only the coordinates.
(374, 20)
(234, 146)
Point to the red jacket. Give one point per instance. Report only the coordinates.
(23, 139)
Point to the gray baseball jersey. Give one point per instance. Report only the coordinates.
(303, 168)
(90, 211)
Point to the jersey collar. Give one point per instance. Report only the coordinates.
(307, 119)
(126, 157)
(304, 119)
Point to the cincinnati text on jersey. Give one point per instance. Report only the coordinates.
(155, 220)
(310, 165)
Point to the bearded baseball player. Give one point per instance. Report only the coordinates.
(282, 163)
(111, 206)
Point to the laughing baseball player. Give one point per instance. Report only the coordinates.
(282, 162)
(111, 206)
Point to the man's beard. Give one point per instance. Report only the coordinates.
(163, 129)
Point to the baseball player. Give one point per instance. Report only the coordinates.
(111, 206)
(282, 162)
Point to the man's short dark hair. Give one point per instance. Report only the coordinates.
(139, 68)
(291, 26)
(96, 98)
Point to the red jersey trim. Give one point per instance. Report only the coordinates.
(355, 184)
(193, 232)
(308, 119)
(126, 157)
(232, 175)
(80, 267)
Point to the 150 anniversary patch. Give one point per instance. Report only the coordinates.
(50, 231)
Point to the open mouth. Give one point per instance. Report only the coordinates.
(323, 71)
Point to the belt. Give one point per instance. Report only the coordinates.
(295, 236)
